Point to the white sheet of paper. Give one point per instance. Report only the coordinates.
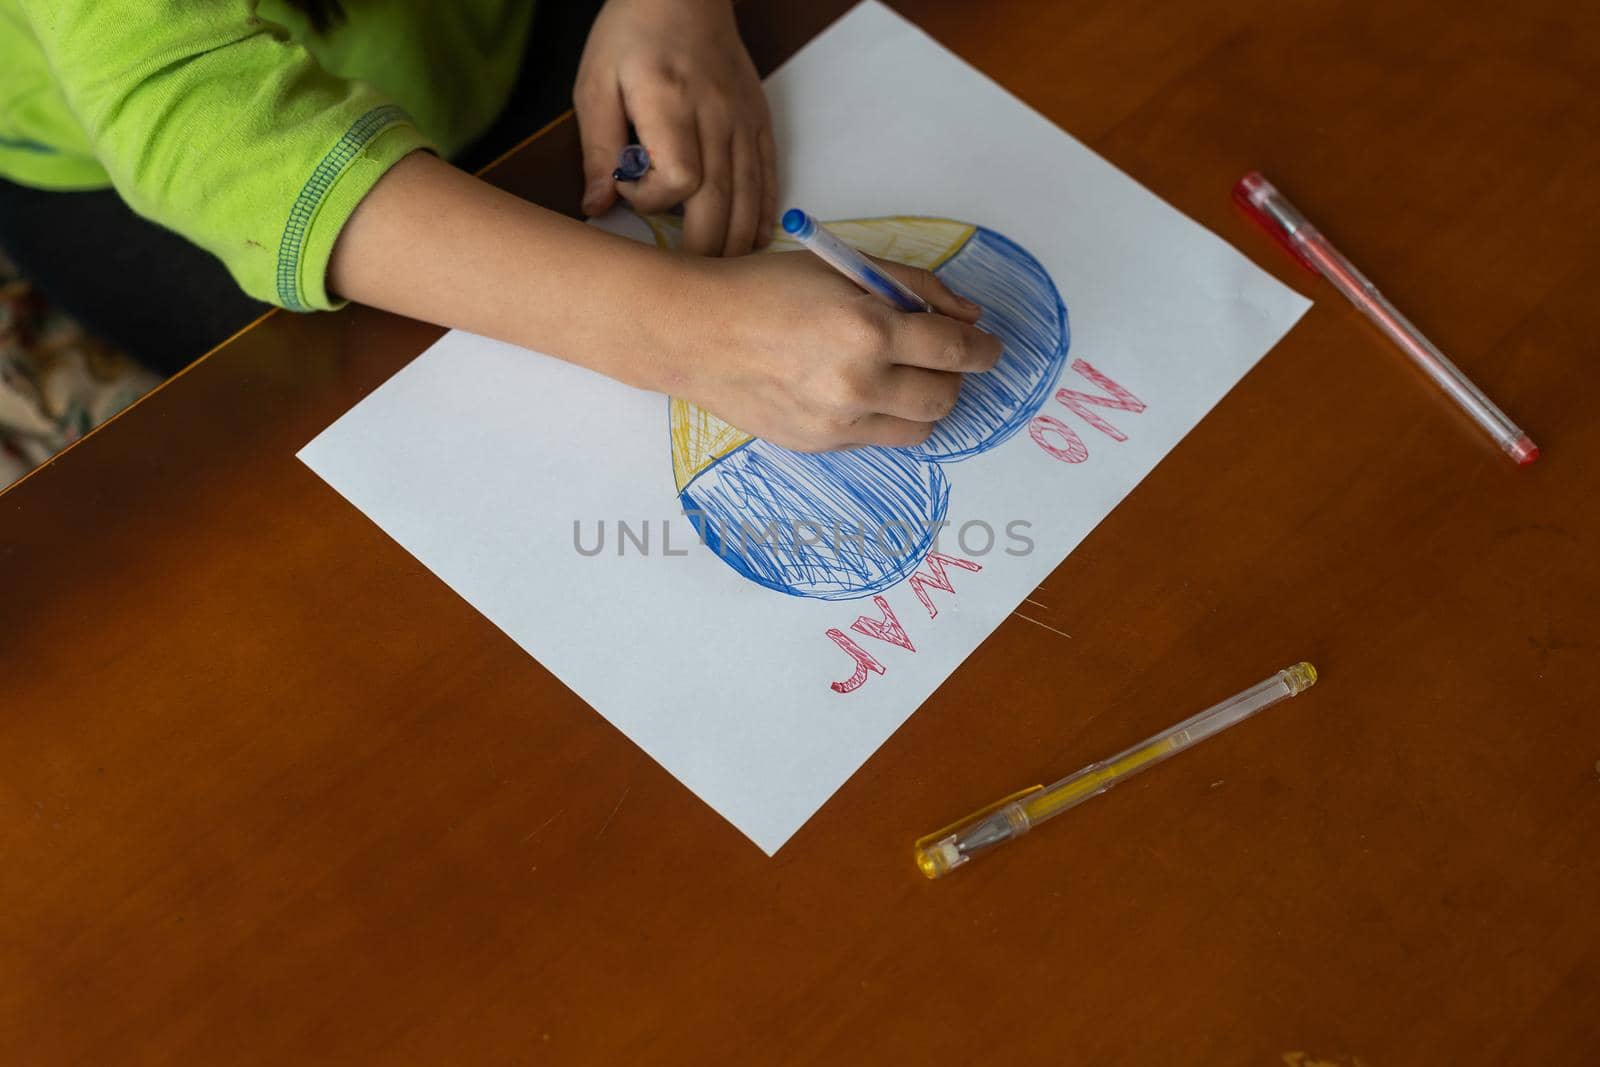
(479, 458)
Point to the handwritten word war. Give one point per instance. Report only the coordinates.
(888, 628)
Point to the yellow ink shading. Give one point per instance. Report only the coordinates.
(910, 239)
(699, 439)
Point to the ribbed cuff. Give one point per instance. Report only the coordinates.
(373, 143)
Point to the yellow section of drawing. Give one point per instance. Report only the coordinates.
(909, 239)
(914, 240)
(699, 438)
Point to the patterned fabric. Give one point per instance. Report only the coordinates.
(56, 382)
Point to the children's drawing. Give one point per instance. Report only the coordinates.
(843, 525)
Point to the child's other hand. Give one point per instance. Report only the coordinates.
(789, 350)
(678, 71)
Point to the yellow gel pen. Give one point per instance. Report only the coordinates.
(944, 850)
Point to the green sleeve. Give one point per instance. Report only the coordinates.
(212, 123)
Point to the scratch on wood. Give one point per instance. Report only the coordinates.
(1305, 1059)
(1035, 603)
(531, 834)
(613, 814)
(1036, 622)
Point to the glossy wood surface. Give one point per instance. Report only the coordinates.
(270, 793)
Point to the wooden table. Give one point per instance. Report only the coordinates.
(273, 794)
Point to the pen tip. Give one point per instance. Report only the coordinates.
(1523, 450)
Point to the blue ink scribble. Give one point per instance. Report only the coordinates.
(1022, 308)
(833, 525)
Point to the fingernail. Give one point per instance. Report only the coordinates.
(963, 302)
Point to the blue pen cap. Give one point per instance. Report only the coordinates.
(798, 224)
(632, 165)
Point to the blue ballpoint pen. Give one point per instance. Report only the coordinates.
(839, 255)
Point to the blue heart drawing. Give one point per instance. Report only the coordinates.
(844, 525)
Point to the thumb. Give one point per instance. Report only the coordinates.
(603, 130)
(927, 285)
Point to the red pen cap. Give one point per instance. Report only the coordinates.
(1261, 200)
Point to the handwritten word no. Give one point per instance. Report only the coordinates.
(1059, 439)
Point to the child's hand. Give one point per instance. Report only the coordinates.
(794, 353)
(677, 70)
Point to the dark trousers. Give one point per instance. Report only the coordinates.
(167, 302)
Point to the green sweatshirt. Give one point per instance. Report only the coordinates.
(233, 124)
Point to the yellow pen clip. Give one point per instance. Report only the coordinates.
(937, 854)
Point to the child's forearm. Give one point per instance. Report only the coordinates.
(781, 346)
(437, 244)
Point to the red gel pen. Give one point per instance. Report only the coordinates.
(1305, 242)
